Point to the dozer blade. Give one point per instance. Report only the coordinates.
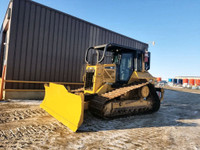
(66, 107)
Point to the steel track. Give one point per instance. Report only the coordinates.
(98, 104)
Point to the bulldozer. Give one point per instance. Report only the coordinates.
(121, 87)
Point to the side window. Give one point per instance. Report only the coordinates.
(139, 62)
(147, 61)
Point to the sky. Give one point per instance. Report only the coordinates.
(174, 25)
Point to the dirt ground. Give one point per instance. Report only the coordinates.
(23, 125)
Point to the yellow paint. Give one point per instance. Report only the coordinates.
(141, 75)
(69, 108)
(66, 107)
(100, 76)
(103, 89)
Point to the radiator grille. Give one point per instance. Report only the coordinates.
(88, 82)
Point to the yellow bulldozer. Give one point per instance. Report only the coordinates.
(120, 88)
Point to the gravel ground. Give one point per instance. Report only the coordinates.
(23, 125)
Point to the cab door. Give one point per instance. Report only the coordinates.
(126, 66)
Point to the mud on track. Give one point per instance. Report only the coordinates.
(23, 125)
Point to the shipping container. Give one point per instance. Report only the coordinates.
(39, 43)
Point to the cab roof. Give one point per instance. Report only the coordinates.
(113, 47)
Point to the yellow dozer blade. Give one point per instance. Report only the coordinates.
(66, 107)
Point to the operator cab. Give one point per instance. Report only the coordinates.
(127, 59)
